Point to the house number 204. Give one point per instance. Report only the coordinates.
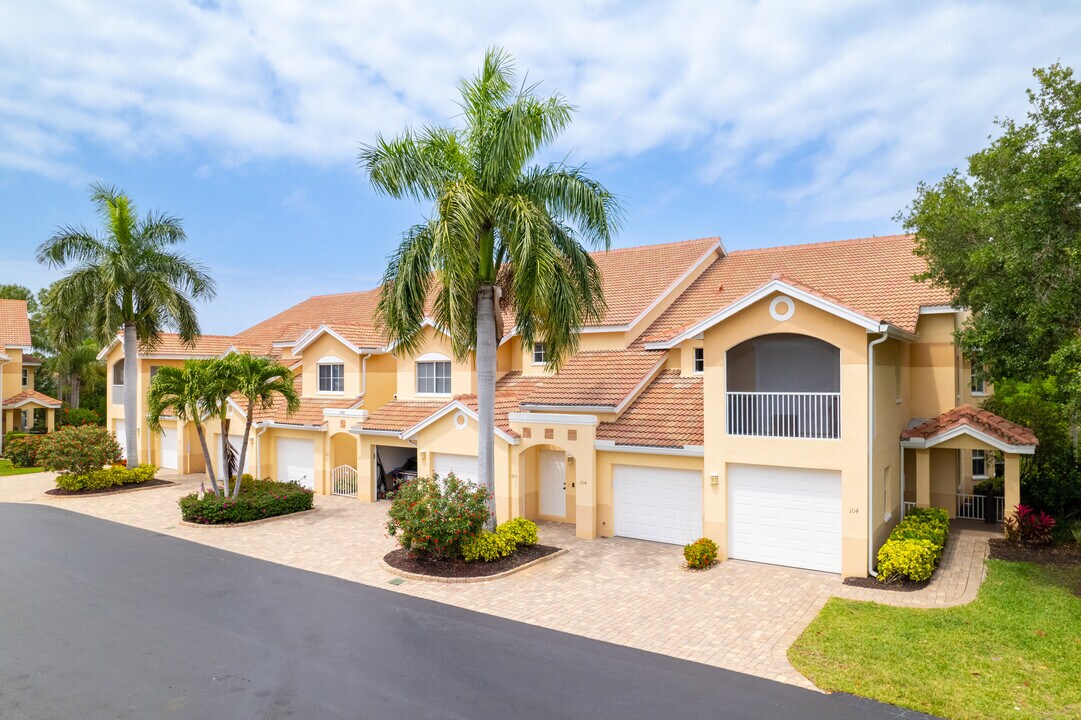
(853, 511)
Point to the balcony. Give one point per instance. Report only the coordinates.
(814, 415)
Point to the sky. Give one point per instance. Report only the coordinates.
(766, 123)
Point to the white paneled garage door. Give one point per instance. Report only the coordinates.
(657, 504)
(237, 441)
(119, 429)
(785, 516)
(168, 448)
(296, 461)
(463, 466)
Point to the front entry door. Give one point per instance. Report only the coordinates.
(553, 483)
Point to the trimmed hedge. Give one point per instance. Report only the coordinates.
(508, 537)
(700, 554)
(106, 478)
(521, 531)
(258, 499)
(22, 450)
(915, 546)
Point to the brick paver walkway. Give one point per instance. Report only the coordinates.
(741, 616)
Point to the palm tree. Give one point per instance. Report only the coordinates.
(128, 278)
(76, 366)
(260, 381)
(501, 230)
(191, 392)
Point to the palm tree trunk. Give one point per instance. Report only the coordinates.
(226, 453)
(76, 384)
(207, 457)
(131, 375)
(248, 420)
(485, 358)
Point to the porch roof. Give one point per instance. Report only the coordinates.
(31, 397)
(975, 422)
(668, 413)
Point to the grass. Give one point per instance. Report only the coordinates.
(1013, 653)
(6, 468)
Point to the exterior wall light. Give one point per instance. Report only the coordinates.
(714, 479)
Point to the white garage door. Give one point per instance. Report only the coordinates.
(296, 461)
(237, 441)
(464, 466)
(168, 448)
(785, 516)
(119, 431)
(657, 504)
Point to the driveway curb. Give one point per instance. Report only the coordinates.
(124, 491)
(260, 521)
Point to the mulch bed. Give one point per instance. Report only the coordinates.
(404, 560)
(902, 585)
(110, 490)
(1059, 555)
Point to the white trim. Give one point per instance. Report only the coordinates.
(448, 408)
(356, 430)
(556, 408)
(939, 310)
(309, 337)
(30, 363)
(330, 360)
(686, 450)
(787, 314)
(432, 357)
(921, 443)
(287, 426)
(283, 343)
(11, 406)
(24, 348)
(427, 322)
(551, 418)
(346, 413)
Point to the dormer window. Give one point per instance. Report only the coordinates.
(538, 353)
(331, 374)
(433, 375)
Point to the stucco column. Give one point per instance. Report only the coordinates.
(923, 477)
(50, 420)
(1012, 483)
(365, 482)
(585, 499)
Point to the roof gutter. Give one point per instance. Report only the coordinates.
(885, 330)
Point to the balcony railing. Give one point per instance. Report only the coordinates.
(971, 507)
(785, 415)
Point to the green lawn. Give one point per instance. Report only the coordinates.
(1013, 653)
(6, 468)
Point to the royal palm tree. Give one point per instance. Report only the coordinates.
(260, 381)
(127, 278)
(191, 392)
(501, 231)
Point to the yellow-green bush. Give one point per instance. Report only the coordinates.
(908, 558)
(700, 554)
(488, 547)
(520, 531)
(106, 478)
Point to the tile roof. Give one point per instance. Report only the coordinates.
(400, 415)
(32, 396)
(972, 416)
(310, 411)
(171, 344)
(668, 413)
(29, 359)
(349, 314)
(597, 377)
(870, 275)
(510, 391)
(14, 324)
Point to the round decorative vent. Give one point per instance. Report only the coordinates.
(782, 308)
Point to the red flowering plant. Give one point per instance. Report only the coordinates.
(436, 516)
(1029, 527)
(78, 449)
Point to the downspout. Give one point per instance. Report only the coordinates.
(3, 359)
(871, 449)
(902, 482)
(364, 374)
(258, 447)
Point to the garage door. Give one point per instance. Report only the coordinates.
(237, 441)
(464, 466)
(785, 516)
(657, 504)
(168, 448)
(296, 461)
(120, 430)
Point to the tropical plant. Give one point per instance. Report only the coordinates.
(437, 516)
(1029, 527)
(260, 381)
(23, 450)
(78, 450)
(258, 499)
(129, 279)
(501, 231)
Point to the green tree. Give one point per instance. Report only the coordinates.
(75, 367)
(1005, 237)
(14, 291)
(130, 279)
(501, 230)
(261, 382)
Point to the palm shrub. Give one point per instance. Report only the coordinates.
(78, 449)
(436, 517)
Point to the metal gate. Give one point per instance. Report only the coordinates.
(343, 480)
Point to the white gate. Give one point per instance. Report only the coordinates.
(343, 480)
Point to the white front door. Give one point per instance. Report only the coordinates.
(296, 461)
(785, 516)
(119, 430)
(169, 456)
(553, 483)
(657, 503)
(463, 466)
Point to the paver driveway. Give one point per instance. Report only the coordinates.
(741, 616)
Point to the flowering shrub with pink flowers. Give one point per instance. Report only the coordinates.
(258, 499)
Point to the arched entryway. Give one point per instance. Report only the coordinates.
(549, 487)
(343, 464)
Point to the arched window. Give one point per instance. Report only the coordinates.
(118, 372)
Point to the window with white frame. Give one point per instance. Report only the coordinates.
(433, 377)
(538, 353)
(26, 376)
(977, 386)
(331, 377)
(979, 464)
(118, 372)
(699, 360)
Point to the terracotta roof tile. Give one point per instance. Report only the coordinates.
(870, 275)
(29, 359)
(599, 377)
(350, 314)
(310, 412)
(400, 415)
(980, 419)
(32, 396)
(668, 413)
(14, 324)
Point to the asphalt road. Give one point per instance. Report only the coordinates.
(100, 620)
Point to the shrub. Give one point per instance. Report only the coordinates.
(78, 416)
(104, 478)
(700, 554)
(520, 531)
(911, 558)
(78, 450)
(22, 450)
(488, 547)
(258, 499)
(995, 485)
(1029, 527)
(437, 517)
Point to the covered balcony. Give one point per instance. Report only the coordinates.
(783, 386)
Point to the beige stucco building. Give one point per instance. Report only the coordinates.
(22, 408)
(785, 402)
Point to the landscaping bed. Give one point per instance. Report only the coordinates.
(1061, 554)
(257, 500)
(407, 561)
(126, 487)
(899, 585)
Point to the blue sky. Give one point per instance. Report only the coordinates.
(766, 123)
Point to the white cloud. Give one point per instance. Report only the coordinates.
(850, 103)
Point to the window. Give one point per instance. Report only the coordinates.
(979, 464)
(118, 372)
(978, 387)
(26, 376)
(699, 360)
(538, 353)
(332, 378)
(154, 370)
(433, 378)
